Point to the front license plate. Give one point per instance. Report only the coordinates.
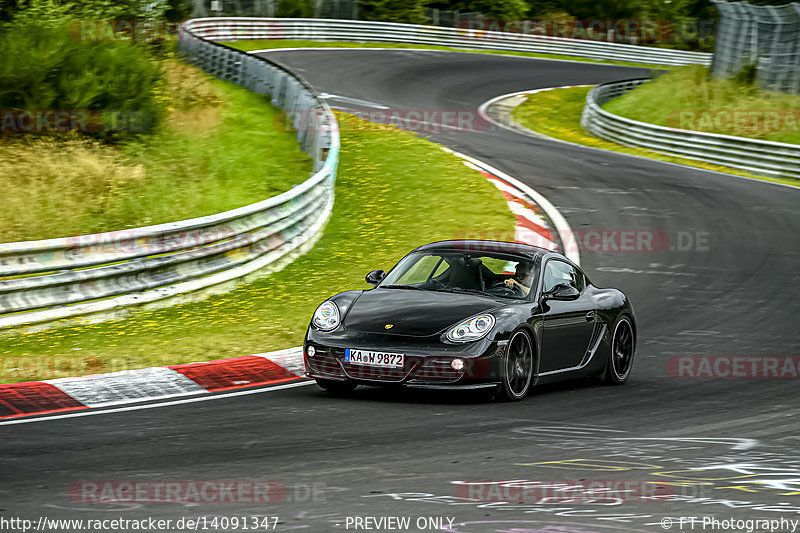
(364, 357)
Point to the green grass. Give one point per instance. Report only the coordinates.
(687, 98)
(264, 44)
(557, 113)
(394, 192)
(221, 147)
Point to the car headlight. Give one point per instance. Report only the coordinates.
(471, 329)
(326, 317)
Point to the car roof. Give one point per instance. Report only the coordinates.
(485, 246)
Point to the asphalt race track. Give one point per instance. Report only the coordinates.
(719, 447)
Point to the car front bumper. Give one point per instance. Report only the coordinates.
(427, 362)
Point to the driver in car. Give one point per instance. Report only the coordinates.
(522, 278)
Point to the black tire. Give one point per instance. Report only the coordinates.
(518, 368)
(623, 349)
(336, 387)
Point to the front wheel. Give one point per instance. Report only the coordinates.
(517, 368)
(623, 347)
(336, 387)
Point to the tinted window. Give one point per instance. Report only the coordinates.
(557, 272)
(489, 273)
(422, 269)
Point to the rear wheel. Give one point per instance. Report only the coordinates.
(517, 367)
(623, 347)
(336, 387)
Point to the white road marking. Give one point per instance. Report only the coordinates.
(359, 101)
(155, 405)
(531, 133)
(736, 443)
(561, 224)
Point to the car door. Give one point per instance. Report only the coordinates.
(568, 324)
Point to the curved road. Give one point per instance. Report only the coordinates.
(721, 447)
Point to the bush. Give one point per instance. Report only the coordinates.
(178, 10)
(54, 12)
(295, 9)
(44, 69)
(747, 75)
(408, 11)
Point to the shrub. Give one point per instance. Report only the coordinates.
(43, 68)
(295, 8)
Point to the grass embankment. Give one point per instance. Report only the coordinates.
(394, 192)
(688, 99)
(557, 113)
(268, 44)
(220, 147)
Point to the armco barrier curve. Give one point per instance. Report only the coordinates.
(66, 277)
(191, 382)
(754, 155)
(229, 29)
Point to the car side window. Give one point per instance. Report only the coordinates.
(557, 272)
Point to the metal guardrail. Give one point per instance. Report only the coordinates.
(57, 278)
(754, 155)
(228, 29)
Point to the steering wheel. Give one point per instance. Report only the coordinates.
(516, 290)
(507, 291)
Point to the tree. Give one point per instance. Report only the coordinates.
(538, 8)
(409, 11)
(663, 9)
(178, 10)
(295, 9)
(600, 9)
(497, 9)
(501, 9)
(49, 12)
(7, 10)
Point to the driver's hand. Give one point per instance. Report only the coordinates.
(510, 283)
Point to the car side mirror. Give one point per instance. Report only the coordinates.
(375, 277)
(562, 292)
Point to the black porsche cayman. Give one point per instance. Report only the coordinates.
(472, 314)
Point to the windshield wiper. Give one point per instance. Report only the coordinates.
(410, 287)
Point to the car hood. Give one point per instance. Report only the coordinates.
(410, 312)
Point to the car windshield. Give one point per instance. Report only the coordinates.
(490, 274)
